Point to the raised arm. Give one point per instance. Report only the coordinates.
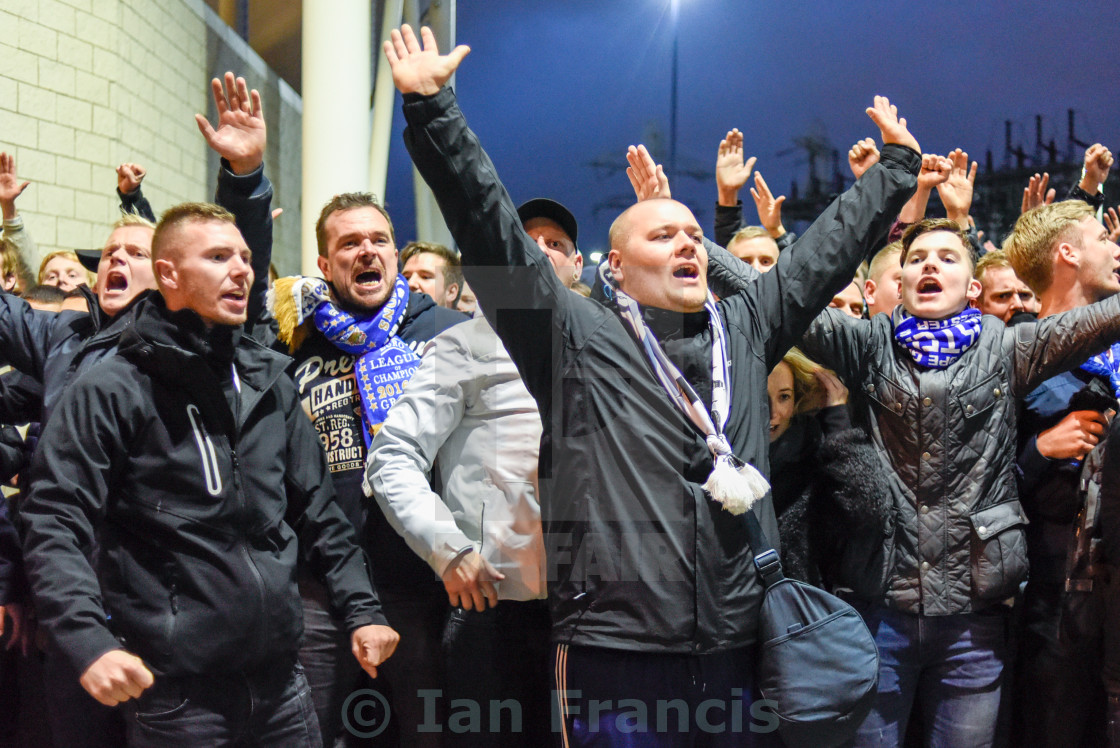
(514, 281)
(824, 259)
(14, 230)
(129, 177)
(1061, 342)
(243, 189)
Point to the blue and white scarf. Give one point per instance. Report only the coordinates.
(1106, 364)
(385, 362)
(735, 484)
(938, 343)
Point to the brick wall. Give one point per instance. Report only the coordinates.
(88, 84)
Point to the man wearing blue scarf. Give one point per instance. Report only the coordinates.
(1060, 696)
(355, 338)
(937, 384)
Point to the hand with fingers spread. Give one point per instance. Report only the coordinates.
(1098, 161)
(646, 177)
(769, 207)
(1112, 222)
(1074, 436)
(469, 581)
(956, 191)
(731, 171)
(116, 676)
(372, 645)
(893, 129)
(241, 135)
(10, 186)
(420, 70)
(129, 177)
(1036, 194)
(862, 156)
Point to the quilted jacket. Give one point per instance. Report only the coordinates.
(948, 439)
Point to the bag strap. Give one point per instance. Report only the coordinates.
(766, 559)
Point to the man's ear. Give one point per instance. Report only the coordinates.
(869, 292)
(578, 262)
(1068, 253)
(451, 294)
(324, 268)
(974, 290)
(167, 276)
(614, 260)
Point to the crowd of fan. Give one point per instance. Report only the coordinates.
(152, 498)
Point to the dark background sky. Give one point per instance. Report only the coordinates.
(552, 85)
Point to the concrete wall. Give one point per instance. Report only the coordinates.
(88, 84)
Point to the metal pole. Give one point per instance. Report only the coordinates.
(674, 17)
(336, 123)
(383, 97)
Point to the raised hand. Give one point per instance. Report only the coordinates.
(769, 207)
(1036, 194)
(1112, 221)
(420, 70)
(731, 171)
(372, 645)
(647, 178)
(1098, 160)
(935, 171)
(129, 177)
(10, 186)
(862, 156)
(893, 129)
(956, 191)
(241, 134)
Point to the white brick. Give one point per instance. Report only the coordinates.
(92, 206)
(75, 52)
(56, 76)
(38, 102)
(9, 90)
(106, 121)
(106, 63)
(84, 5)
(96, 31)
(75, 234)
(91, 147)
(57, 139)
(38, 39)
(59, 17)
(75, 113)
(23, 8)
(18, 129)
(56, 200)
(108, 10)
(91, 88)
(43, 225)
(36, 166)
(19, 64)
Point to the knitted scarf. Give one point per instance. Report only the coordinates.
(937, 343)
(384, 361)
(1106, 364)
(735, 484)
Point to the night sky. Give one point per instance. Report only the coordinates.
(551, 86)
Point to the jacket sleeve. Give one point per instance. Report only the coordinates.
(11, 560)
(1061, 342)
(30, 257)
(402, 453)
(824, 259)
(249, 198)
(135, 203)
(70, 479)
(728, 221)
(21, 398)
(327, 541)
(518, 291)
(836, 341)
(25, 334)
(727, 274)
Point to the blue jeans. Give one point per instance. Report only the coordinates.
(267, 708)
(950, 666)
(616, 699)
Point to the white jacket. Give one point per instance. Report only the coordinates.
(467, 406)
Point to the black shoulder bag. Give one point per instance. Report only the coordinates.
(817, 660)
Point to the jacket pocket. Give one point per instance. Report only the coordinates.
(980, 398)
(887, 395)
(998, 551)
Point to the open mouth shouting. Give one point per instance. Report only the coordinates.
(687, 271)
(368, 279)
(929, 286)
(116, 282)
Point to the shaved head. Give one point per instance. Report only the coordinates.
(623, 225)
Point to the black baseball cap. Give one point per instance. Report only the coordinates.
(89, 258)
(542, 207)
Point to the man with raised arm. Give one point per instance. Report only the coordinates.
(651, 584)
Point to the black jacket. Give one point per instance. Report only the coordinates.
(639, 557)
(198, 493)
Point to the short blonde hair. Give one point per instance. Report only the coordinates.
(883, 259)
(1031, 244)
(995, 259)
(184, 213)
(66, 254)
